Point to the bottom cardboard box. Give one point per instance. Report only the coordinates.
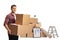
(14, 29)
(25, 29)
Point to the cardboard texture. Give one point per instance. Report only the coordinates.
(22, 19)
(33, 20)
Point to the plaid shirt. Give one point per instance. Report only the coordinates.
(9, 19)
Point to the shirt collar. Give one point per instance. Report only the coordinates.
(12, 14)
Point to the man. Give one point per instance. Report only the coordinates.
(10, 18)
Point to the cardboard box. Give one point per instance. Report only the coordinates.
(46, 33)
(14, 29)
(22, 19)
(24, 29)
(33, 20)
(19, 30)
(42, 34)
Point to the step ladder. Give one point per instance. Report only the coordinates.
(52, 30)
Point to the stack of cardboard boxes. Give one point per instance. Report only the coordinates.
(25, 25)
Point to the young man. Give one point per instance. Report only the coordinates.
(10, 18)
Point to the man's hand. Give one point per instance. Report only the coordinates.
(14, 24)
(9, 31)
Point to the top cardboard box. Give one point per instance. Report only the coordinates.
(22, 19)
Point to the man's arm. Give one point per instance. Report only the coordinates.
(9, 31)
(6, 24)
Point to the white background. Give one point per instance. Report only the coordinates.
(47, 11)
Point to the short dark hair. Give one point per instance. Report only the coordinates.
(13, 6)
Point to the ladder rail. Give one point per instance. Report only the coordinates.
(51, 30)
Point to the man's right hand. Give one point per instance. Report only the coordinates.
(9, 31)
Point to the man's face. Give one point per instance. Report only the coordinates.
(13, 9)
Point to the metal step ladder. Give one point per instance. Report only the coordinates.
(52, 30)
